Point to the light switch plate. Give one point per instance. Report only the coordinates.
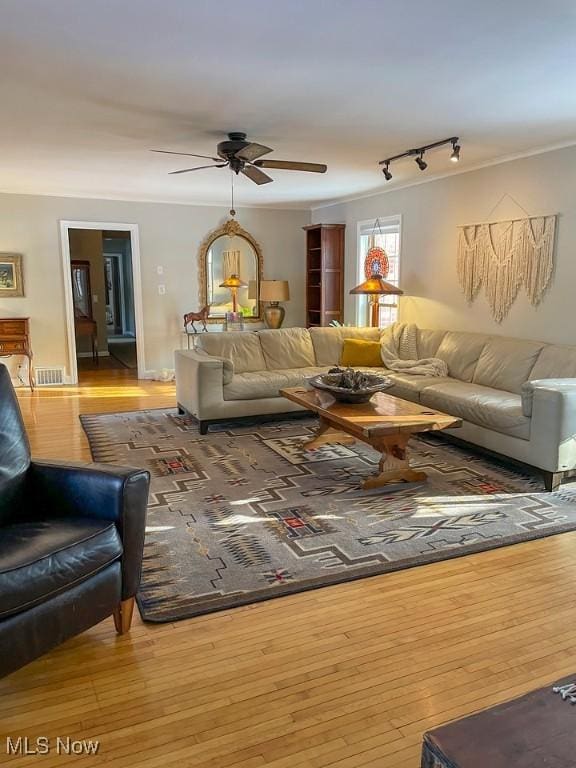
(161, 289)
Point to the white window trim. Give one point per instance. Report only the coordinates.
(395, 219)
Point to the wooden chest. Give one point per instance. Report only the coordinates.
(534, 731)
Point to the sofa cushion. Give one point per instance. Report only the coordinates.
(359, 352)
(491, 408)
(506, 363)
(460, 351)
(227, 365)
(428, 341)
(555, 362)
(287, 348)
(241, 348)
(38, 560)
(253, 386)
(410, 387)
(328, 341)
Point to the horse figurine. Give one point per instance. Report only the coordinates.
(192, 317)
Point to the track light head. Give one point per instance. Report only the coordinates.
(420, 162)
(455, 156)
(386, 171)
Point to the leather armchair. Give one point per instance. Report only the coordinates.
(71, 543)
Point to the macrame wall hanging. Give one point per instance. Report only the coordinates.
(503, 256)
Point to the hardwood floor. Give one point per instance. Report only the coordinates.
(347, 676)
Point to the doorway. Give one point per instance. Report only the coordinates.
(103, 306)
(120, 320)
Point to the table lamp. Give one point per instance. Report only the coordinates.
(375, 287)
(274, 291)
(233, 283)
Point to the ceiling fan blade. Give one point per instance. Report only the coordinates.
(256, 175)
(187, 154)
(252, 151)
(288, 165)
(198, 168)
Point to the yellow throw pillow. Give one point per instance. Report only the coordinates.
(357, 352)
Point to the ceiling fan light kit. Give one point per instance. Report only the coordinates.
(244, 157)
(418, 154)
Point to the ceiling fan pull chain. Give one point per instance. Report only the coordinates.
(232, 211)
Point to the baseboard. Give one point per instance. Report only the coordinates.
(151, 375)
(155, 375)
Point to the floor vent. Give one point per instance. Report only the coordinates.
(49, 377)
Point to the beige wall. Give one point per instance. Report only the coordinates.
(86, 245)
(169, 237)
(430, 212)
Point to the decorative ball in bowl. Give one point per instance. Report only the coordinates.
(350, 386)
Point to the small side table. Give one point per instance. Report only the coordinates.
(15, 340)
(188, 340)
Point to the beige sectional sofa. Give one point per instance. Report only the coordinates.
(516, 398)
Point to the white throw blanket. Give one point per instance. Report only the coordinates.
(399, 351)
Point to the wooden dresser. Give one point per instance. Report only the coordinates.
(15, 340)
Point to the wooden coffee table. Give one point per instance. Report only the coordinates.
(385, 422)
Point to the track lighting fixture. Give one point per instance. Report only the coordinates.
(386, 172)
(418, 154)
(420, 162)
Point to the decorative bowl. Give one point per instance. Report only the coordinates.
(347, 385)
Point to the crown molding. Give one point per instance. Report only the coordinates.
(305, 207)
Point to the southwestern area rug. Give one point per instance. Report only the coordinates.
(245, 514)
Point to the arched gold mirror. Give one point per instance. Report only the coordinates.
(230, 255)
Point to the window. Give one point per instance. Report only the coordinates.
(385, 233)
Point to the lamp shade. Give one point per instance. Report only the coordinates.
(252, 289)
(233, 282)
(274, 290)
(376, 285)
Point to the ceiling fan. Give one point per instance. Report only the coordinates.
(244, 157)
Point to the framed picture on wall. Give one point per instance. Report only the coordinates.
(11, 283)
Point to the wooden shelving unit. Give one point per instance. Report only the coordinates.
(324, 274)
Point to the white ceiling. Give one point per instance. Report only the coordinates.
(87, 88)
